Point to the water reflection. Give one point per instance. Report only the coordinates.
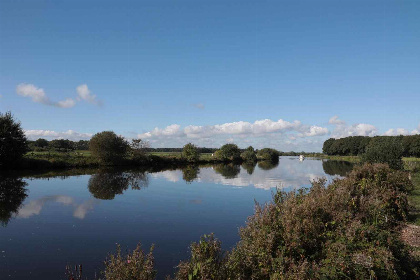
(228, 171)
(190, 173)
(108, 183)
(267, 165)
(249, 167)
(335, 167)
(35, 207)
(12, 195)
(288, 173)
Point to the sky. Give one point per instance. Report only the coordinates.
(280, 74)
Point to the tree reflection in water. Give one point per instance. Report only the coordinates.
(12, 195)
(249, 167)
(229, 171)
(190, 173)
(336, 167)
(106, 183)
(267, 164)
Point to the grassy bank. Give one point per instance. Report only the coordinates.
(83, 159)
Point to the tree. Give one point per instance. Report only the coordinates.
(190, 153)
(13, 143)
(249, 155)
(228, 152)
(387, 150)
(108, 147)
(41, 143)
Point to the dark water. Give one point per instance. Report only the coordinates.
(77, 217)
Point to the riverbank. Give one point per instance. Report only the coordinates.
(83, 159)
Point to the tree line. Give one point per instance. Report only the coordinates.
(358, 145)
(108, 148)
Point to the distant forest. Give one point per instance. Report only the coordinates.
(356, 145)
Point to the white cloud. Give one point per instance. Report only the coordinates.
(314, 131)
(342, 130)
(50, 134)
(417, 130)
(259, 127)
(242, 133)
(335, 120)
(38, 95)
(396, 132)
(83, 93)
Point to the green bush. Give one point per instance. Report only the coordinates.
(191, 153)
(108, 147)
(268, 154)
(385, 150)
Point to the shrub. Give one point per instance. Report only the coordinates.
(207, 261)
(344, 231)
(228, 152)
(190, 153)
(12, 140)
(134, 266)
(108, 147)
(385, 150)
(138, 149)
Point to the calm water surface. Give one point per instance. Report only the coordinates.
(54, 219)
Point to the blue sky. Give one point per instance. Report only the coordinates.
(211, 72)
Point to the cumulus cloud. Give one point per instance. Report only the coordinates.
(50, 134)
(241, 132)
(402, 131)
(395, 132)
(192, 131)
(38, 95)
(342, 130)
(83, 93)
